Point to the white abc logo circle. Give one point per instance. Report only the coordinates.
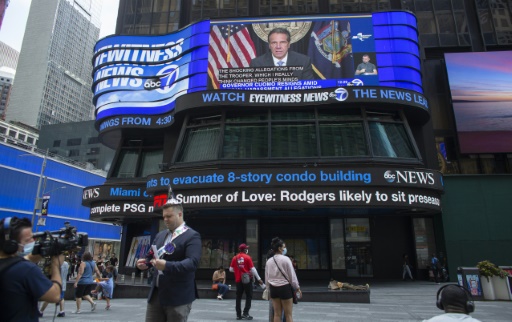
(389, 176)
(171, 73)
(341, 94)
(357, 82)
(152, 83)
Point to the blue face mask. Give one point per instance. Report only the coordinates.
(284, 251)
(28, 248)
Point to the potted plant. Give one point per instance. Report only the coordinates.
(494, 284)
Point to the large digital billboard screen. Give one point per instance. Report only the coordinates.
(481, 90)
(292, 53)
(143, 76)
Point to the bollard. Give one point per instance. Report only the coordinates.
(133, 278)
(142, 277)
(122, 278)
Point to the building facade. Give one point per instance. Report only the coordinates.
(76, 141)
(27, 171)
(54, 76)
(18, 135)
(352, 182)
(6, 81)
(8, 56)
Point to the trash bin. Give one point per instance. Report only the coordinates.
(469, 277)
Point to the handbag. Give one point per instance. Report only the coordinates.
(246, 278)
(265, 294)
(294, 293)
(215, 286)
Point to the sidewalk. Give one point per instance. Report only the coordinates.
(390, 301)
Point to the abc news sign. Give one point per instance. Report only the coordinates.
(258, 177)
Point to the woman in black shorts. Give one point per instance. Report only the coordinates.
(84, 281)
(279, 273)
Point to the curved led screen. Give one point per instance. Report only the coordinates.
(144, 75)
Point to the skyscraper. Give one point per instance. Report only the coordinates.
(8, 56)
(53, 78)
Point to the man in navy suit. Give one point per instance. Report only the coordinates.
(279, 41)
(178, 253)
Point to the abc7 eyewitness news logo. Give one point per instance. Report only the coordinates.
(165, 83)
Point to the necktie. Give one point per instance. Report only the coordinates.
(280, 63)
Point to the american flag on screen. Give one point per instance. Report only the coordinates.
(231, 46)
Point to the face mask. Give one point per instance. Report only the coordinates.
(28, 248)
(284, 251)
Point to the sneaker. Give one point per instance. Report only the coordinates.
(367, 286)
(76, 312)
(246, 317)
(93, 306)
(107, 307)
(219, 297)
(61, 314)
(238, 317)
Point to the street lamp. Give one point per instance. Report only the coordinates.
(38, 200)
(47, 192)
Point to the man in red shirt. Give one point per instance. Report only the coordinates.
(242, 264)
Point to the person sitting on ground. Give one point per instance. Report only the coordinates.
(219, 278)
(335, 285)
(457, 303)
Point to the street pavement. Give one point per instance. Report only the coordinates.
(390, 301)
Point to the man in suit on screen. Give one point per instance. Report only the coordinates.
(279, 41)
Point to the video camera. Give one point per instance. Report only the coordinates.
(53, 243)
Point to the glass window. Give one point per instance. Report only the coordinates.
(293, 115)
(73, 142)
(296, 134)
(149, 162)
(245, 141)
(217, 252)
(252, 238)
(390, 140)
(488, 164)
(207, 138)
(93, 151)
(337, 244)
(93, 140)
(424, 241)
(246, 117)
(127, 164)
(442, 5)
(445, 22)
(293, 140)
(345, 114)
(461, 22)
(358, 257)
(357, 229)
(342, 139)
(426, 22)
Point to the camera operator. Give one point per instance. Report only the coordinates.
(22, 281)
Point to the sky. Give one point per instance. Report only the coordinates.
(15, 19)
